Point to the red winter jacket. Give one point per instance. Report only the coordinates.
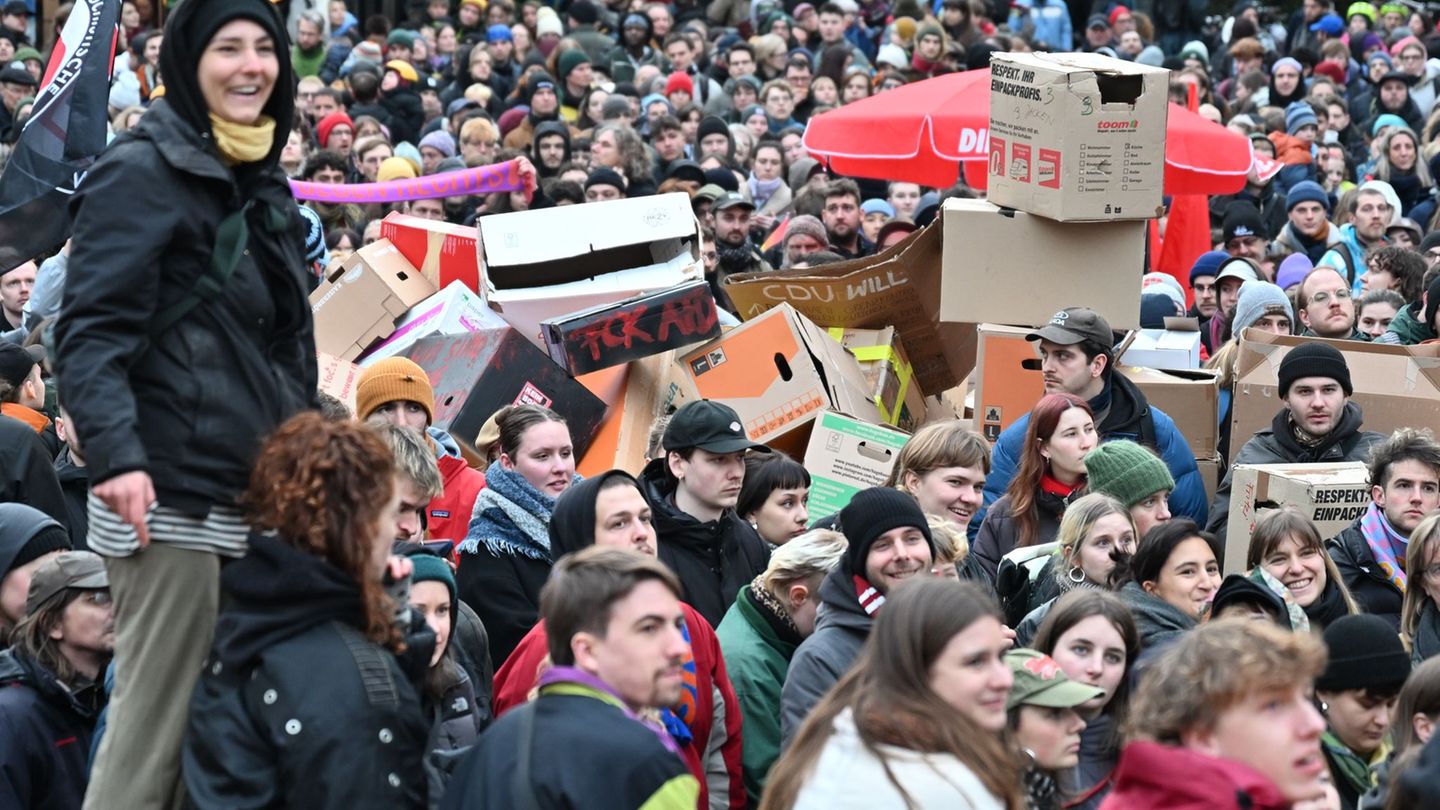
(711, 711)
(448, 516)
(1151, 775)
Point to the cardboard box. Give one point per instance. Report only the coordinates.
(654, 387)
(338, 378)
(1004, 266)
(1210, 473)
(1395, 386)
(1331, 495)
(1008, 381)
(1190, 397)
(478, 373)
(899, 287)
(847, 455)
(359, 303)
(1177, 346)
(443, 253)
(613, 334)
(778, 372)
(538, 265)
(1077, 136)
(888, 372)
(454, 310)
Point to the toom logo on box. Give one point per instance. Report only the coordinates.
(1127, 126)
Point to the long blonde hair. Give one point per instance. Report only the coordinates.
(1417, 553)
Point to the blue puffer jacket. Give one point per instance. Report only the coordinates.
(1125, 420)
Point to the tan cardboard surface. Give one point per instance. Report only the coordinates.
(778, 372)
(889, 373)
(359, 303)
(1016, 268)
(899, 287)
(1190, 397)
(1331, 495)
(1395, 386)
(1077, 136)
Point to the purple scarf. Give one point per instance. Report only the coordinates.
(574, 675)
(1386, 544)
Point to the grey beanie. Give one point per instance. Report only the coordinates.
(1256, 300)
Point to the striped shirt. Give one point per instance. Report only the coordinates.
(222, 532)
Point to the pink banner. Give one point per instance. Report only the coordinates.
(479, 180)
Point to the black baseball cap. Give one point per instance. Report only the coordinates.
(732, 199)
(14, 75)
(1074, 325)
(16, 7)
(710, 426)
(16, 363)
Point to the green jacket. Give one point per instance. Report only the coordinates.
(757, 658)
(1406, 329)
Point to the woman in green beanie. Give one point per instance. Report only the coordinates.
(1135, 477)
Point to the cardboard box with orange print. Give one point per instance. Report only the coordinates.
(778, 372)
(1008, 381)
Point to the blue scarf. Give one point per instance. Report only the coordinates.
(510, 517)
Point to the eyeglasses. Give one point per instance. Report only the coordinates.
(1324, 297)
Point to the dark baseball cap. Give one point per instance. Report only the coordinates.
(1073, 325)
(15, 75)
(16, 7)
(710, 426)
(730, 200)
(16, 363)
(68, 569)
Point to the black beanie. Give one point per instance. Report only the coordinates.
(713, 125)
(52, 537)
(871, 513)
(537, 81)
(1432, 303)
(1314, 360)
(1243, 219)
(1365, 653)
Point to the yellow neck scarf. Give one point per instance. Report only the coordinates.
(239, 143)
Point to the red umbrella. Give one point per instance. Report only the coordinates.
(923, 132)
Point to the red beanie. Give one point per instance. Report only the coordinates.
(1118, 12)
(1332, 71)
(329, 122)
(680, 81)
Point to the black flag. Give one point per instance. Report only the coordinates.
(61, 139)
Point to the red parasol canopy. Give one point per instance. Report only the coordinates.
(923, 132)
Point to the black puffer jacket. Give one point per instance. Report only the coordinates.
(1367, 583)
(190, 407)
(713, 559)
(295, 708)
(45, 731)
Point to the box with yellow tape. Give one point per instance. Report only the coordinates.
(888, 374)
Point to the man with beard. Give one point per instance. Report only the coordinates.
(1207, 301)
(543, 98)
(1309, 230)
(841, 216)
(1319, 423)
(890, 543)
(732, 241)
(1326, 307)
(308, 52)
(1392, 96)
(551, 147)
(1371, 219)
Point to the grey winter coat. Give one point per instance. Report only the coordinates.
(823, 658)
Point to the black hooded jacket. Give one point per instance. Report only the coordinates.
(713, 559)
(550, 128)
(188, 404)
(295, 707)
(27, 476)
(572, 523)
(47, 728)
(75, 486)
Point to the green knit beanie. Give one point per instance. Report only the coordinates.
(429, 568)
(569, 60)
(1126, 472)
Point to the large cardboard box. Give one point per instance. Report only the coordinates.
(1395, 386)
(846, 455)
(778, 372)
(888, 371)
(1077, 136)
(1190, 397)
(1331, 495)
(444, 253)
(899, 287)
(1004, 266)
(359, 303)
(338, 378)
(1008, 381)
(613, 334)
(478, 373)
(454, 310)
(537, 265)
(654, 386)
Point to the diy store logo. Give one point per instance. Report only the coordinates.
(1125, 126)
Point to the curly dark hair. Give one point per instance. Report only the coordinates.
(322, 487)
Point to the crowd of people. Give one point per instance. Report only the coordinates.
(221, 588)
